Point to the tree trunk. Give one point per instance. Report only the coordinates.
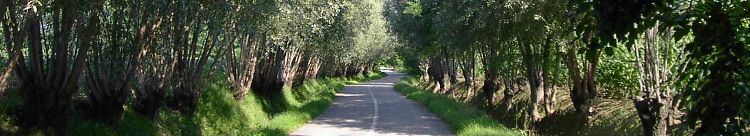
(107, 90)
(15, 54)
(438, 72)
(240, 71)
(491, 75)
(273, 74)
(193, 66)
(508, 93)
(423, 68)
(450, 67)
(156, 75)
(583, 89)
(291, 73)
(468, 72)
(534, 75)
(549, 63)
(550, 90)
(308, 68)
(313, 69)
(490, 85)
(654, 103)
(47, 93)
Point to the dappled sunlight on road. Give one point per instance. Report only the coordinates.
(374, 108)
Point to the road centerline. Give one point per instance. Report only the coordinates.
(375, 115)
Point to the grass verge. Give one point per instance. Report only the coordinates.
(462, 119)
(217, 113)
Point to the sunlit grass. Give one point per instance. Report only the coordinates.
(217, 113)
(321, 93)
(462, 119)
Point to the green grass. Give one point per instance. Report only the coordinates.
(612, 117)
(217, 113)
(462, 119)
(10, 102)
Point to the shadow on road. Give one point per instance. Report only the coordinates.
(355, 112)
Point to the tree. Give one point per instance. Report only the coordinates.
(240, 71)
(165, 51)
(286, 41)
(193, 64)
(51, 75)
(158, 65)
(715, 88)
(716, 48)
(240, 66)
(113, 64)
(13, 54)
(655, 101)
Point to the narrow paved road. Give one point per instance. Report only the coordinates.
(374, 108)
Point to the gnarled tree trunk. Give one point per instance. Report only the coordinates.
(158, 66)
(534, 76)
(308, 68)
(437, 72)
(583, 89)
(107, 80)
(654, 103)
(510, 90)
(13, 53)
(451, 67)
(468, 64)
(49, 80)
(193, 66)
(423, 67)
(240, 69)
(491, 75)
(549, 69)
(276, 70)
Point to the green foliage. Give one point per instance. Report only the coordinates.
(10, 103)
(413, 8)
(172, 46)
(618, 76)
(713, 67)
(462, 119)
(337, 32)
(82, 127)
(616, 21)
(217, 113)
(715, 83)
(136, 125)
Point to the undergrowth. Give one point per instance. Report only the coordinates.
(462, 119)
(612, 117)
(217, 113)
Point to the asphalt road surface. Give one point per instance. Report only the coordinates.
(374, 108)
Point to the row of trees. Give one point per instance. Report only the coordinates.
(690, 56)
(163, 52)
